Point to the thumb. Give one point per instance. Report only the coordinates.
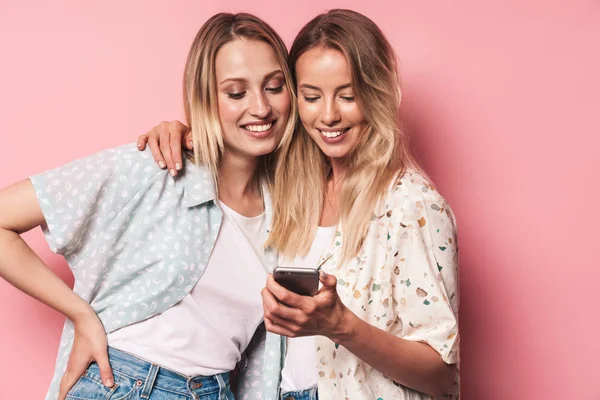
(141, 142)
(106, 373)
(329, 281)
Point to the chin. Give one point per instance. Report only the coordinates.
(335, 153)
(262, 150)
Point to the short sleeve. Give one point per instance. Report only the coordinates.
(80, 198)
(425, 277)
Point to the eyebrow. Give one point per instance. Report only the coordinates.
(244, 80)
(272, 74)
(240, 80)
(337, 89)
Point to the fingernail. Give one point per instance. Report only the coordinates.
(109, 383)
(177, 166)
(324, 274)
(172, 171)
(161, 164)
(139, 145)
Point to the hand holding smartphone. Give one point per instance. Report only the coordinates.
(302, 281)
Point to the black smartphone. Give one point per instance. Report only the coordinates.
(303, 281)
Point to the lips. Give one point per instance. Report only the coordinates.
(333, 136)
(259, 130)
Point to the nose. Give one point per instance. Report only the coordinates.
(331, 113)
(260, 106)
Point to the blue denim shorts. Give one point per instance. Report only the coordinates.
(308, 394)
(139, 379)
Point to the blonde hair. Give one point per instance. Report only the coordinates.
(382, 150)
(200, 87)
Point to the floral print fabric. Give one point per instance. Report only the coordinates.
(404, 281)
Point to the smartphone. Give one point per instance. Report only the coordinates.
(303, 281)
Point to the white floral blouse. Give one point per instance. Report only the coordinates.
(404, 281)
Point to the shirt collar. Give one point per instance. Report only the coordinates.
(198, 183)
(199, 188)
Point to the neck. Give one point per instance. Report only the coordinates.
(331, 206)
(338, 171)
(236, 176)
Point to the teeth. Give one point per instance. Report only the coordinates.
(258, 128)
(333, 134)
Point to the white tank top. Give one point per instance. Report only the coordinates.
(300, 365)
(206, 333)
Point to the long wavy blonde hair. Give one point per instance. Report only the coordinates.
(200, 87)
(382, 150)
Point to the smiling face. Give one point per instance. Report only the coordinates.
(253, 99)
(327, 103)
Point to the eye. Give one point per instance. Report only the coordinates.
(349, 99)
(311, 99)
(277, 89)
(236, 96)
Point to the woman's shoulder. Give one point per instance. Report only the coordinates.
(128, 160)
(412, 192)
(412, 184)
(124, 168)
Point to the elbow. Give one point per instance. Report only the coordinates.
(444, 379)
(8, 237)
(5, 231)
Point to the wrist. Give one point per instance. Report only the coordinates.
(82, 313)
(346, 329)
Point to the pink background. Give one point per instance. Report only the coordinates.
(503, 102)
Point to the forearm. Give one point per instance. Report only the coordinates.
(412, 364)
(22, 268)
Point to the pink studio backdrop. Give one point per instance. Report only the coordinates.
(502, 100)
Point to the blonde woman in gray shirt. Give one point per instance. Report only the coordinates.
(168, 272)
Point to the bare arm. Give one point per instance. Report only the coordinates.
(22, 268)
(413, 364)
(19, 265)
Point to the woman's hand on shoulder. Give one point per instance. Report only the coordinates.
(166, 141)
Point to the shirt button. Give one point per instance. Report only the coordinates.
(139, 382)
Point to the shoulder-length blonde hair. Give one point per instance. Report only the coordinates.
(381, 152)
(200, 87)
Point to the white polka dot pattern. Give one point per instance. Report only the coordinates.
(138, 241)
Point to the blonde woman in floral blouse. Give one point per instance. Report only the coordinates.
(386, 317)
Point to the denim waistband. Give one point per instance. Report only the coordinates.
(155, 376)
(307, 394)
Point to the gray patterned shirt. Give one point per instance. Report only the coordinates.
(138, 241)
